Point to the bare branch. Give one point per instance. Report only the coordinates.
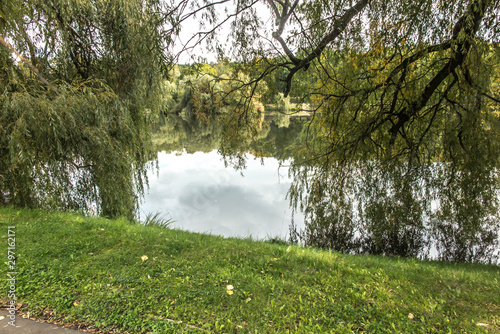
(281, 19)
(204, 34)
(275, 10)
(491, 97)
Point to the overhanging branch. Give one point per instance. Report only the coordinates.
(461, 49)
(27, 62)
(339, 26)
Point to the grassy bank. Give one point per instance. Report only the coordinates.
(113, 276)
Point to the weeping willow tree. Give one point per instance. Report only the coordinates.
(402, 154)
(404, 157)
(79, 81)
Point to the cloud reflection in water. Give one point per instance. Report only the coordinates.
(201, 195)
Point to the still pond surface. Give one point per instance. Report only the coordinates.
(200, 194)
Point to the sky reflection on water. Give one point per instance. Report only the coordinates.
(201, 195)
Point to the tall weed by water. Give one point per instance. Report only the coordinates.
(157, 219)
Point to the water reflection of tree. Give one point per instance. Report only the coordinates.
(390, 207)
(368, 207)
(177, 133)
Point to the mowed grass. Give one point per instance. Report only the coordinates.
(116, 277)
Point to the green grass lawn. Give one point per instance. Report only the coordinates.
(116, 277)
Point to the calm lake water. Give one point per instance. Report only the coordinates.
(201, 195)
(195, 189)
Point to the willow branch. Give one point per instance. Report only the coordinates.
(476, 12)
(338, 28)
(281, 19)
(31, 67)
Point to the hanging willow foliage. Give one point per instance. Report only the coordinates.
(84, 145)
(402, 154)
